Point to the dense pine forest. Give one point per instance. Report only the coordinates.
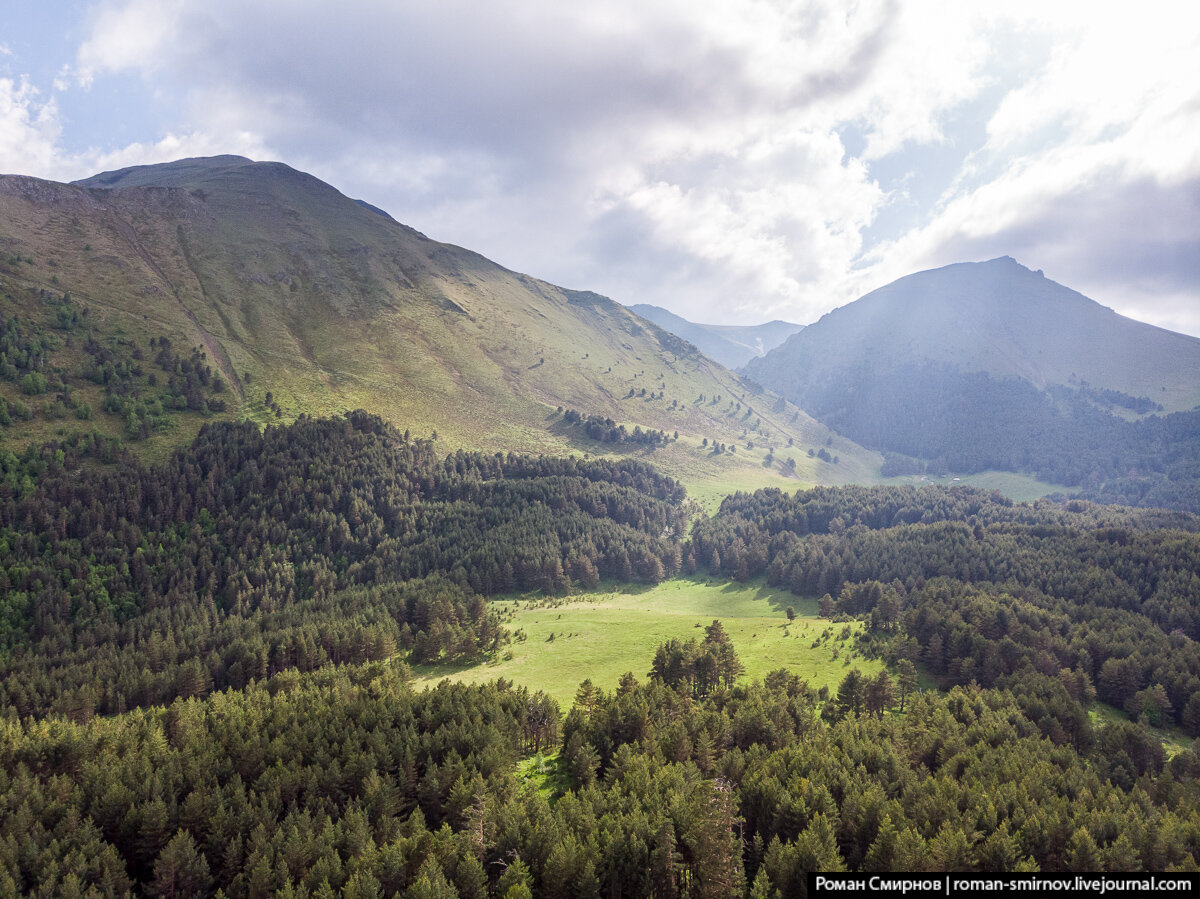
(982, 589)
(250, 552)
(974, 422)
(205, 682)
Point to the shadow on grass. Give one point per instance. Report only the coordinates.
(756, 589)
(449, 669)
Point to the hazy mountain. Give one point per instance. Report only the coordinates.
(996, 317)
(991, 365)
(288, 286)
(731, 345)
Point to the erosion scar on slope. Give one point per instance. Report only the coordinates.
(211, 343)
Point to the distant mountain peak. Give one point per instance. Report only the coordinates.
(997, 317)
(731, 345)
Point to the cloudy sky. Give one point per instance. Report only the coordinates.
(732, 160)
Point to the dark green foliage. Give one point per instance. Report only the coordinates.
(252, 552)
(147, 404)
(605, 430)
(252, 596)
(347, 778)
(698, 668)
(937, 418)
(295, 781)
(985, 589)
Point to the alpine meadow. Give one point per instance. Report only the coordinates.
(340, 561)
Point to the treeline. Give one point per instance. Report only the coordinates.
(238, 546)
(192, 650)
(969, 422)
(345, 782)
(979, 588)
(53, 347)
(605, 430)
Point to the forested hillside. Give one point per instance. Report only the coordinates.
(978, 588)
(989, 365)
(206, 684)
(345, 782)
(931, 418)
(337, 540)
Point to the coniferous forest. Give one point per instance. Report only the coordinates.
(205, 683)
(937, 419)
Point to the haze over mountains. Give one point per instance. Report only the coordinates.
(299, 300)
(996, 317)
(731, 345)
(289, 287)
(990, 365)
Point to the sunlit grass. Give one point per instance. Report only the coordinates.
(1017, 487)
(605, 634)
(1173, 739)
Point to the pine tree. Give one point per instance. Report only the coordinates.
(761, 888)
(851, 693)
(664, 864)
(879, 694)
(1082, 853)
(181, 870)
(881, 856)
(516, 882)
(906, 679)
(714, 844)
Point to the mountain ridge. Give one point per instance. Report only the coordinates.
(965, 314)
(731, 345)
(979, 366)
(293, 289)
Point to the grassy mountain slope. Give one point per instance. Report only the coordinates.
(731, 345)
(287, 286)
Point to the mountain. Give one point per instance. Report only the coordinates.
(731, 345)
(293, 299)
(990, 365)
(1000, 318)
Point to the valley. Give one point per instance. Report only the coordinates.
(311, 634)
(338, 561)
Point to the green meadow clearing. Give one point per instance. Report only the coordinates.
(602, 635)
(1021, 488)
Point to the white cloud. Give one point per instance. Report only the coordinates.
(31, 141)
(129, 35)
(29, 130)
(1090, 169)
(177, 146)
(687, 153)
